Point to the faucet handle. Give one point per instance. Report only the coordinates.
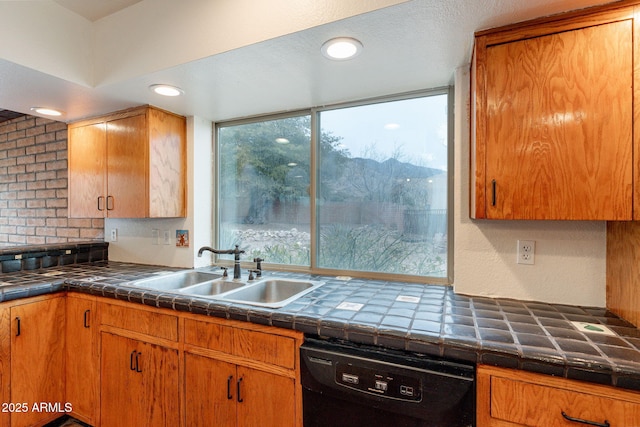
(251, 277)
(225, 274)
(258, 262)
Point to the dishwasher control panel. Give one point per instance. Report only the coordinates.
(379, 382)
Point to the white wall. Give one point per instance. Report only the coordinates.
(569, 259)
(135, 243)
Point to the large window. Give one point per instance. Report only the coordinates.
(360, 189)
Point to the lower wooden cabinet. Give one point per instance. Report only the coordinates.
(139, 383)
(37, 361)
(508, 398)
(82, 358)
(113, 363)
(223, 394)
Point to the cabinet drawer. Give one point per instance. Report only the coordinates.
(273, 349)
(145, 322)
(208, 335)
(536, 405)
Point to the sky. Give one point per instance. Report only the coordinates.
(416, 128)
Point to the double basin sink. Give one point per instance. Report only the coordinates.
(272, 292)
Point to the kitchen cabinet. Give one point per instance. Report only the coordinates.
(129, 164)
(139, 383)
(235, 376)
(5, 357)
(37, 361)
(82, 357)
(507, 397)
(553, 120)
(139, 367)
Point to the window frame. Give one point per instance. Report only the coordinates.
(314, 173)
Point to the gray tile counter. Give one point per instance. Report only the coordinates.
(427, 319)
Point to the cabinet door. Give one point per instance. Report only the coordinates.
(210, 392)
(167, 164)
(139, 383)
(5, 355)
(559, 125)
(265, 399)
(37, 360)
(507, 397)
(87, 153)
(82, 360)
(127, 167)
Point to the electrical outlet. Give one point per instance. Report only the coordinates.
(114, 234)
(155, 236)
(526, 252)
(167, 237)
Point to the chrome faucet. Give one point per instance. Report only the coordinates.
(236, 259)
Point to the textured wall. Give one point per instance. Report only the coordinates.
(33, 185)
(570, 258)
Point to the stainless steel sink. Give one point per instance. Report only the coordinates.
(214, 287)
(176, 281)
(272, 292)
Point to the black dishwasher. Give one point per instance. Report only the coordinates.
(347, 385)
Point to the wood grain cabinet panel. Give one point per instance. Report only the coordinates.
(144, 321)
(241, 375)
(83, 358)
(37, 361)
(139, 385)
(129, 164)
(210, 392)
(87, 158)
(509, 398)
(265, 399)
(267, 348)
(552, 131)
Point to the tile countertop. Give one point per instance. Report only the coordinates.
(533, 336)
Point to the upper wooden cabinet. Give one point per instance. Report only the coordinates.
(552, 118)
(129, 164)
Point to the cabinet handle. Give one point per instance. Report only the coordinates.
(229, 396)
(17, 326)
(100, 208)
(86, 318)
(109, 205)
(493, 192)
(138, 354)
(132, 361)
(587, 422)
(239, 386)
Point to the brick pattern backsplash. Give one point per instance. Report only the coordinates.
(33, 186)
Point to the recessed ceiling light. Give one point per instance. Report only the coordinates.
(341, 48)
(46, 111)
(166, 90)
(282, 140)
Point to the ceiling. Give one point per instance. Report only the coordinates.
(95, 9)
(408, 45)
